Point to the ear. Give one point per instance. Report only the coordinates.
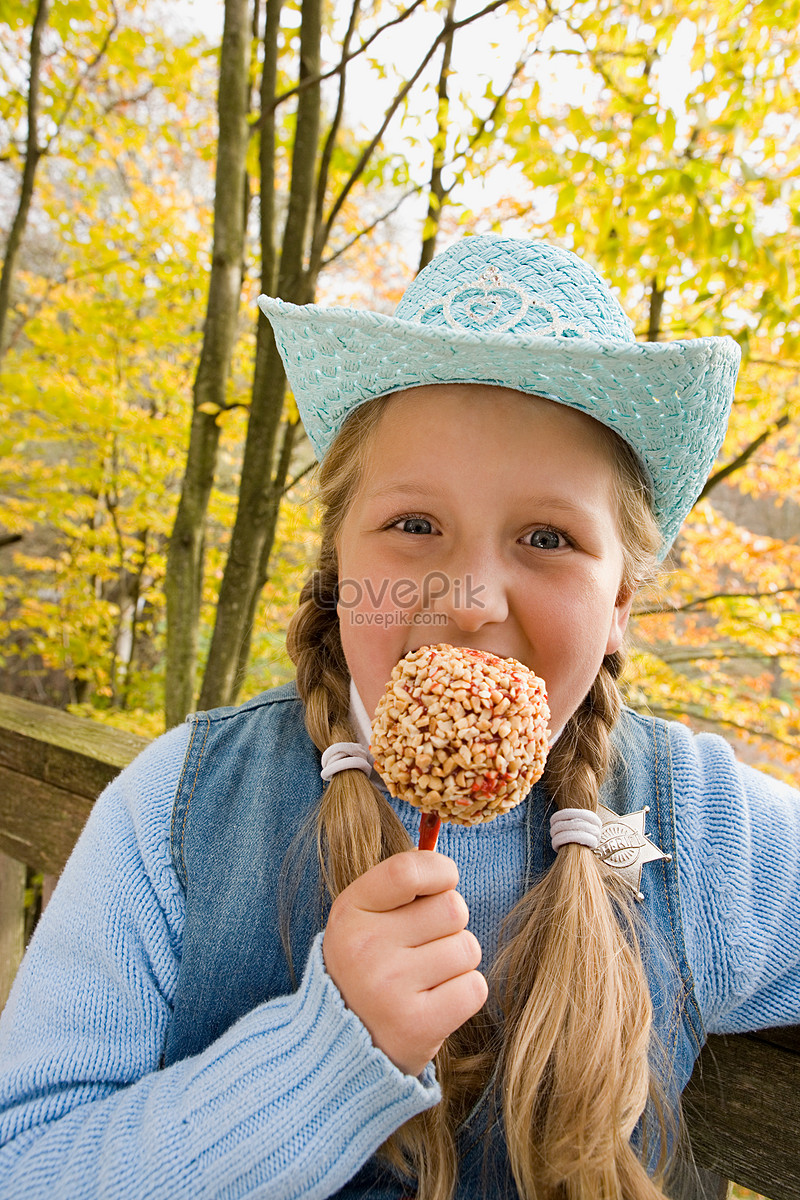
(619, 621)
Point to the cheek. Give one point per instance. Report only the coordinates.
(372, 643)
(379, 593)
(371, 582)
(569, 632)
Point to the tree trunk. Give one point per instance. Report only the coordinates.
(32, 155)
(260, 489)
(656, 305)
(436, 194)
(184, 578)
(281, 475)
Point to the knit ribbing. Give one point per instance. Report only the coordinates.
(738, 838)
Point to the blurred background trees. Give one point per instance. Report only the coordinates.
(157, 517)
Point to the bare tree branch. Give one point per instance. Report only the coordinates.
(773, 362)
(395, 104)
(741, 459)
(436, 188)
(79, 82)
(474, 138)
(491, 116)
(713, 653)
(670, 713)
(311, 80)
(32, 155)
(319, 77)
(293, 482)
(701, 601)
(120, 101)
(596, 57)
(318, 226)
(366, 154)
(372, 225)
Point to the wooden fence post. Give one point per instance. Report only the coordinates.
(12, 921)
(53, 766)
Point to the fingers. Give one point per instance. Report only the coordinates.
(417, 1029)
(436, 963)
(449, 1005)
(400, 879)
(431, 917)
(397, 947)
(358, 925)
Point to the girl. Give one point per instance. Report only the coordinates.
(249, 984)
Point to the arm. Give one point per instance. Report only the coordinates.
(738, 835)
(288, 1102)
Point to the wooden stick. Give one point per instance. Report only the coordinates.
(429, 830)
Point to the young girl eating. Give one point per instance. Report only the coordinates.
(248, 983)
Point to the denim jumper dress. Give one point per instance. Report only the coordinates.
(250, 780)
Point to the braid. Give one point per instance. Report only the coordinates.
(578, 762)
(314, 645)
(356, 827)
(575, 1000)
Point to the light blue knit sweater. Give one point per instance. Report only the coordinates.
(294, 1098)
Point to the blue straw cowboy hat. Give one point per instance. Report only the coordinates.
(529, 316)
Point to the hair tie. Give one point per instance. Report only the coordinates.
(345, 756)
(578, 825)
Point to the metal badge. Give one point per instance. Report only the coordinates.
(625, 847)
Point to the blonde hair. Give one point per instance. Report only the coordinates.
(569, 1020)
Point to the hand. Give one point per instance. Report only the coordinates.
(397, 947)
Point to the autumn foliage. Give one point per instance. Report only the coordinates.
(660, 143)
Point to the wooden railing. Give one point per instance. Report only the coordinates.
(52, 768)
(742, 1105)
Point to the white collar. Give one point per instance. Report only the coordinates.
(358, 715)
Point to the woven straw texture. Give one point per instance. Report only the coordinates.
(528, 316)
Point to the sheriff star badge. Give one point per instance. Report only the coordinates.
(625, 847)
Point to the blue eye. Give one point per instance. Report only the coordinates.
(545, 539)
(414, 525)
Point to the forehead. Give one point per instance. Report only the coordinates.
(487, 423)
(442, 402)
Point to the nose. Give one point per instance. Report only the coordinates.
(470, 595)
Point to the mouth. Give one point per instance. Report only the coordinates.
(492, 651)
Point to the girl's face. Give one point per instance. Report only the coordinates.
(485, 518)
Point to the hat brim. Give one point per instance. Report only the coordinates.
(669, 401)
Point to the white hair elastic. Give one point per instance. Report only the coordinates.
(345, 756)
(575, 825)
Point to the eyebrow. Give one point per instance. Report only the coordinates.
(403, 488)
(560, 502)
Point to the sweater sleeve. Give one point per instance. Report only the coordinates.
(289, 1102)
(738, 842)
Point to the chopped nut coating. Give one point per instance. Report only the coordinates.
(461, 732)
